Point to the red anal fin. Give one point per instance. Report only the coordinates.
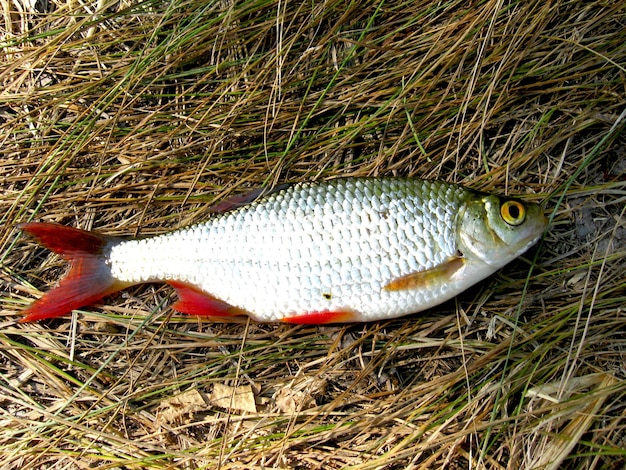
(322, 318)
(89, 278)
(424, 279)
(193, 301)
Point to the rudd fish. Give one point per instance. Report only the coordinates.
(353, 249)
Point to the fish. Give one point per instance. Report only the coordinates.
(336, 251)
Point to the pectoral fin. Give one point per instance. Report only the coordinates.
(430, 277)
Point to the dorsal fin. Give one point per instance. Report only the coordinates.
(240, 200)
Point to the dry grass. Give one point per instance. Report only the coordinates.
(130, 117)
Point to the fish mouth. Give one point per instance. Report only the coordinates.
(535, 232)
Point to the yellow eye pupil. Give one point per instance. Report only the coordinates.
(513, 212)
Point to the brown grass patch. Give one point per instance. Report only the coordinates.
(130, 118)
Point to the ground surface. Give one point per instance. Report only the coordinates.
(132, 118)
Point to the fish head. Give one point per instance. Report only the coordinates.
(495, 230)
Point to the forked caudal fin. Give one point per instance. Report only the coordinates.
(89, 278)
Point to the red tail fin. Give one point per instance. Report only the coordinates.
(89, 278)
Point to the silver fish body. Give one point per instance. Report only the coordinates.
(353, 249)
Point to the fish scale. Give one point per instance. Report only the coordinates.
(278, 257)
(350, 249)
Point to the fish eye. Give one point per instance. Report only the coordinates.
(513, 212)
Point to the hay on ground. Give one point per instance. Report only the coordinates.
(132, 117)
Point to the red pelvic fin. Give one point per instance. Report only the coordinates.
(89, 278)
(193, 301)
(321, 318)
